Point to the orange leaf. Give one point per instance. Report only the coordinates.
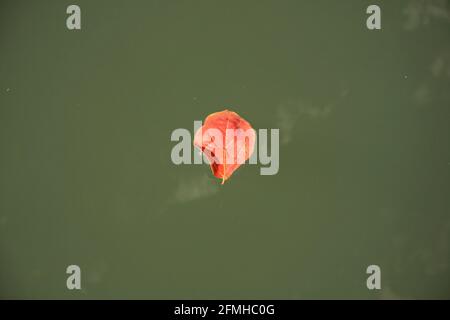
(227, 140)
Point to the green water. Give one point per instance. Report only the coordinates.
(86, 176)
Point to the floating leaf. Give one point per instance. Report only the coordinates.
(227, 140)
